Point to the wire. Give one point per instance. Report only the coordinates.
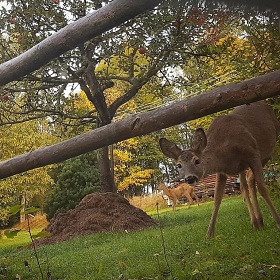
(208, 84)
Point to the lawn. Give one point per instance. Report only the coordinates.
(177, 249)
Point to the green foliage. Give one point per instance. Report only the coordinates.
(73, 179)
(188, 49)
(31, 210)
(15, 209)
(41, 234)
(8, 198)
(24, 188)
(11, 233)
(236, 252)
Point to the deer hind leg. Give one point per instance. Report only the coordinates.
(258, 175)
(245, 193)
(193, 194)
(218, 195)
(174, 202)
(253, 192)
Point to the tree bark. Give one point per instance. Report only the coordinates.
(105, 171)
(207, 103)
(71, 36)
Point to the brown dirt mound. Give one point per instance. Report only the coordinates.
(97, 212)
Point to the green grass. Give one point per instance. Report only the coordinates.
(236, 252)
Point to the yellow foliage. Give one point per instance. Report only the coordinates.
(259, 54)
(19, 139)
(82, 105)
(137, 177)
(122, 156)
(22, 138)
(128, 51)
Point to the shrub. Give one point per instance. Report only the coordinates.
(73, 179)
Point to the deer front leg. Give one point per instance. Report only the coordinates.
(218, 195)
(190, 200)
(196, 197)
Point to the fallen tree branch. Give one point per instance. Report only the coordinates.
(224, 97)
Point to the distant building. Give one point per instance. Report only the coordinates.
(206, 186)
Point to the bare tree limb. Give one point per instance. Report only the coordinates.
(221, 98)
(71, 36)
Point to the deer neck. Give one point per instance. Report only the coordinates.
(209, 162)
(165, 190)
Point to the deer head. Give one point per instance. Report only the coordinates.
(188, 162)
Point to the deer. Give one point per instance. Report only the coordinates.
(240, 142)
(182, 190)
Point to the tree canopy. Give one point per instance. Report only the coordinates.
(175, 51)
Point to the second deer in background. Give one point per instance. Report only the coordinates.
(183, 190)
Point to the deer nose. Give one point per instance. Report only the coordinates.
(191, 180)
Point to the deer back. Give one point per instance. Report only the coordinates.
(249, 131)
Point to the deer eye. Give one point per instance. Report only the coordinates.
(179, 165)
(197, 161)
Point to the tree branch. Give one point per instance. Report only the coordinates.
(221, 98)
(139, 83)
(71, 36)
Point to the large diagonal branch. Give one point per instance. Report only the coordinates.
(206, 103)
(139, 83)
(97, 95)
(73, 35)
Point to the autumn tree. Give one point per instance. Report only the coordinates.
(146, 48)
(29, 188)
(244, 56)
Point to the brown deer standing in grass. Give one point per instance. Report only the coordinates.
(183, 190)
(242, 140)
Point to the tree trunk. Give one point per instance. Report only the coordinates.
(23, 203)
(105, 171)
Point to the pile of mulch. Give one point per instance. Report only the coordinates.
(97, 212)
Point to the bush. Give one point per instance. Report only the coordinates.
(7, 200)
(73, 179)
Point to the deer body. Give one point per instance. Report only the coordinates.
(249, 131)
(179, 192)
(243, 139)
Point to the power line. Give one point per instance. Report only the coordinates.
(209, 83)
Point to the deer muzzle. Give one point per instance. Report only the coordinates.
(191, 180)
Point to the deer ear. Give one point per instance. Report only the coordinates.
(199, 141)
(169, 148)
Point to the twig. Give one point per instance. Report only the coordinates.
(34, 248)
(163, 245)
